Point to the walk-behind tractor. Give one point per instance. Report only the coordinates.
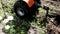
(26, 8)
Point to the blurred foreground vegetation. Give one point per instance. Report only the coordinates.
(13, 24)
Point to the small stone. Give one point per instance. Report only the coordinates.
(1, 17)
(10, 17)
(7, 27)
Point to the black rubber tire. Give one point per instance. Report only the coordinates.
(20, 6)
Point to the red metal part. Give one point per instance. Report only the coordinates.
(29, 2)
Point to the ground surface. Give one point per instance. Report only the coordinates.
(1, 27)
(53, 26)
